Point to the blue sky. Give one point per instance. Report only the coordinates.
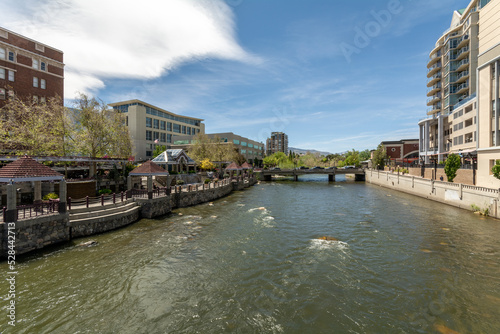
(333, 75)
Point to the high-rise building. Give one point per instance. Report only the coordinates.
(277, 143)
(451, 84)
(29, 69)
(150, 126)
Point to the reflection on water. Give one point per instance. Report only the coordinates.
(253, 262)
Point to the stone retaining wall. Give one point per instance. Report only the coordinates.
(185, 199)
(155, 207)
(103, 224)
(38, 233)
(456, 194)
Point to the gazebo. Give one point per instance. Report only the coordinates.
(175, 160)
(234, 167)
(148, 169)
(26, 169)
(246, 166)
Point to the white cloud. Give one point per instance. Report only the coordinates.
(125, 38)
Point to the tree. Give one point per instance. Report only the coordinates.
(451, 166)
(496, 169)
(32, 128)
(100, 131)
(379, 157)
(352, 158)
(364, 155)
(213, 149)
(159, 150)
(206, 164)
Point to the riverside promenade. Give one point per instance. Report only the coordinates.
(472, 198)
(84, 217)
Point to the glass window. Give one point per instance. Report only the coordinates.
(149, 135)
(177, 128)
(2, 93)
(156, 135)
(169, 138)
(149, 122)
(163, 137)
(35, 82)
(43, 84)
(250, 145)
(183, 129)
(11, 76)
(236, 141)
(43, 66)
(12, 56)
(243, 143)
(188, 130)
(35, 64)
(42, 99)
(149, 153)
(2, 53)
(243, 151)
(169, 126)
(2, 73)
(163, 125)
(156, 124)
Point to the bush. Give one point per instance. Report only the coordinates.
(105, 191)
(50, 196)
(207, 181)
(179, 182)
(173, 173)
(451, 166)
(226, 176)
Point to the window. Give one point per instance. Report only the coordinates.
(11, 76)
(163, 137)
(169, 126)
(12, 56)
(43, 66)
(2, 53)
(35, 99)
(184, 129)
(243, 151)
(156, 135)
(35, 82)
(149, 135)
(163, 125)
(42, 99)
(189, 130)
(169, 138)
(35, 64)
(235, 141)
(149, 153)
(156, 124)
(149, 122)
(250, 145)
(243, 143)
(177, 128)
(43, 84)
(2, 73)
(2, 93)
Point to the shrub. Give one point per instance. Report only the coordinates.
(226, 175)
(173, 173)
(207, 181)
(179, 182)
(50, 196)
(105, 191)
(451, 166)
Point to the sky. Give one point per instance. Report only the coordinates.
(332, 75)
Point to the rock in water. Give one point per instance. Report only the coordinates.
(328, 238)
(89, 243)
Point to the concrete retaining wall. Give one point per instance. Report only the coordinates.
(456, 194)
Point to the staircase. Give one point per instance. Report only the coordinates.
(82, 215)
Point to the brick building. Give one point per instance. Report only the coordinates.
(29, 69)
(402, 150)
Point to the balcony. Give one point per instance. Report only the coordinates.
(434, 99)
(434, 79)
(434, 109)
(462, 76)
(435, 57)
(462, 88)
(463, 41)
(434, 69)
(434, 89)
(462, 53)
(462, 65)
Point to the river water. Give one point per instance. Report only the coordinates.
(252, 263)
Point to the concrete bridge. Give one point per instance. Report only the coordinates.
(359, 173)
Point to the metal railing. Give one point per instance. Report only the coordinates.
(38, 209)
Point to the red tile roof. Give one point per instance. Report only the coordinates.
(26, 167)
(149, 168)
(246, 165)
(233, 166)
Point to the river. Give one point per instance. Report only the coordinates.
(252, 263)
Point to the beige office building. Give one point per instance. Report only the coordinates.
(150, 126)
(488, 90)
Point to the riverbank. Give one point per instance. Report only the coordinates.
(471, 198)
(36, 233)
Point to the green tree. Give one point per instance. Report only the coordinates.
(100, 131)
(159, 150)
(496, 169)
(451, 166)
(364, 155)
(352, 158)
(32, 128)
(379, 157)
